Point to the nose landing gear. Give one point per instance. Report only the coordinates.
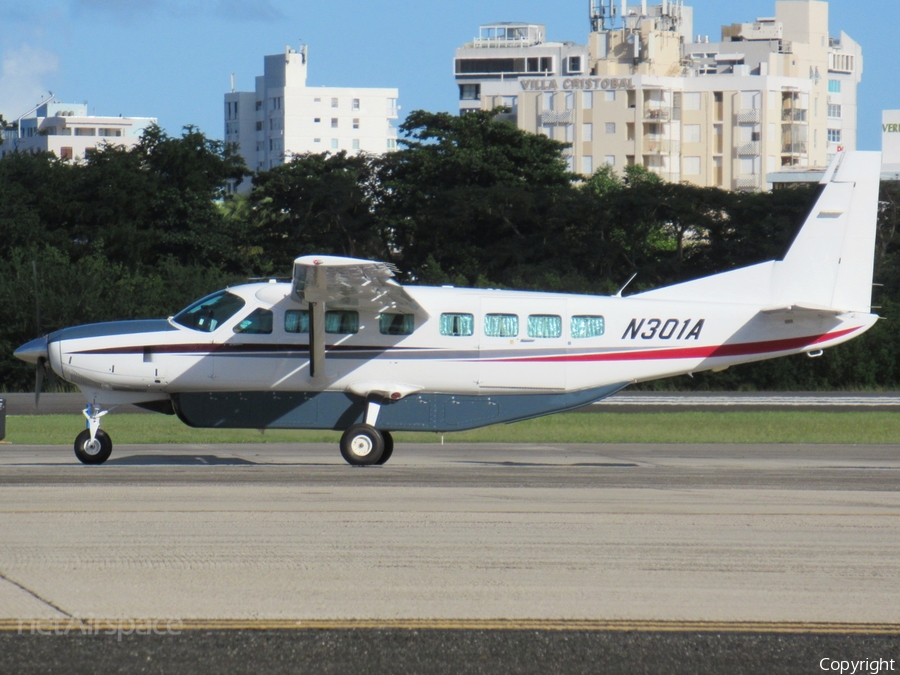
(93, 445)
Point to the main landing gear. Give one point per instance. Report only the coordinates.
(93, 445)
(363, 444)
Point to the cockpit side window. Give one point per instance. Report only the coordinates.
(258, 322)
(210, 312)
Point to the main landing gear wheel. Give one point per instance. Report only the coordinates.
(362, 445)
(93, 452)
(388, 447)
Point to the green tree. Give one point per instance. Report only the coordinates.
(316, 203)
(469, 198)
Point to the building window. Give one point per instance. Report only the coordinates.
(587, 131)
(317, 140)
(356, 144)
(570, 164)
(574, 64)
(610, 159)
(610, 127)
(570, 133)
(547, 101)
(544, 326)
(570, 100)
(334, 103)
(392, 144)
(834, 111)
(65, 153)
(356, 123)
(501, 325)
(834, 135)
(469, 92)
(834, 86)
(84, 132)
(316, 120)
(587, 326)
(356, 104)
(457, 325)
(611, 96)
(259, 126)
(587, 100)
(692, 166)
(587, 165)
(334, 122)
(334, 144)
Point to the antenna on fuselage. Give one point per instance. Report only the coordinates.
(631, 278)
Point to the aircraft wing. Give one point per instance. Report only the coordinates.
(345, 283)
(350, 283)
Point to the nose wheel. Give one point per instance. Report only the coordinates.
(93, 451)
(93, 445)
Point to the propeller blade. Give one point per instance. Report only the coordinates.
(39, 381)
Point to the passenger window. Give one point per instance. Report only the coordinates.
(501, 325)
(458, 325)
(544, 326)
(258, 322)
(296, 321)
(396, 324)
(344, 323)
(587, 326)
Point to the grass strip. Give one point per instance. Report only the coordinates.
(605, 427)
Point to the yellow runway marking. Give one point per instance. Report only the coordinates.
(160, 626)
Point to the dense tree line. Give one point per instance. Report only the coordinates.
(468, 200)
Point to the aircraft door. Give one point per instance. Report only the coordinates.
(516, 338)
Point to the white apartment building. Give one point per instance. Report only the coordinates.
(66, 130)
(890, 144)
(285, 117)
(778, 92)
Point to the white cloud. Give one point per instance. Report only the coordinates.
(24, 74)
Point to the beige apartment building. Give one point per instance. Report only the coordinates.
(777, 92)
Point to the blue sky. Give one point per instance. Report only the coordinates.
(173, 59)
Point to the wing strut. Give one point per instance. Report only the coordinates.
(316, 293)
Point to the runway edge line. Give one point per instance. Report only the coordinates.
(77, 625)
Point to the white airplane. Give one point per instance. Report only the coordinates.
(345, 347)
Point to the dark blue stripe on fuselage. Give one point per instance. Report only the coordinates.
(110, 328)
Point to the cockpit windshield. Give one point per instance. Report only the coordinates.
(210, 312)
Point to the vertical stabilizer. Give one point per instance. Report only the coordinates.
(828, 266)
(831, 261)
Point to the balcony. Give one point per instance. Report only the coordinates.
(793, 115)
(747, 182)
(656, 113)
(749, 116)
(798, 148)
(661, 146)
(549, 117)
(751, 149)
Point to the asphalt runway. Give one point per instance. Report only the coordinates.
(476, 558)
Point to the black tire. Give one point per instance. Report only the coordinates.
(362, 445)
(93, 455)
(388, 447)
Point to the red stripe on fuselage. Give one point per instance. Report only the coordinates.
(712, 351)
